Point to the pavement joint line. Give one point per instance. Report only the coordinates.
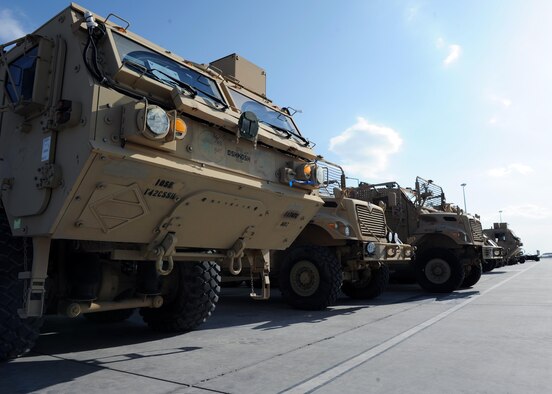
(257, 363)
(329, 375)
(136, 374)
(418, 297)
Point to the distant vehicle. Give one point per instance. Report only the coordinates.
(535, 257)
(347, 244)
(504, 236)
(493, 255)
(449, 243)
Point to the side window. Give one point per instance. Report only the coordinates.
(22, 74)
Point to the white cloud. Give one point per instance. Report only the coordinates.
(505, 102)
(412, 12)
(510, 169)
(500, 107)
(10, 27)
(364, 148)
(454, 54)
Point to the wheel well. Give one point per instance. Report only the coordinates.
(313, 234)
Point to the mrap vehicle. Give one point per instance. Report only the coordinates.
(129, 174)
(449, 243)
(347, 244)
(505, 237)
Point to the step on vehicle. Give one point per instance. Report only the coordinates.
(129, 175)
(448, 242)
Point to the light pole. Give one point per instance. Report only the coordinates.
(500, 213)
(464, 194)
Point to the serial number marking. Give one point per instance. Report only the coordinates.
(164, 183)
(160, 194)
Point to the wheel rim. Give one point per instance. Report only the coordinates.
(304, 278)
(437, 271)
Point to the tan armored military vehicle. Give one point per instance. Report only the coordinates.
(493, 255)
(507, 239)
(127, 173)
(347, 244)
(448, 242)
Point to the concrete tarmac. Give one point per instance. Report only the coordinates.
(493, 338)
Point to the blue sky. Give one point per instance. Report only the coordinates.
(454, 91)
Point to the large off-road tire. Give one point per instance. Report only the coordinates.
(488, 265)
(367, 288)
(473, 276)
(439, 271)
(17, 336)
(115, 316)
(192, 300)
(310, 277)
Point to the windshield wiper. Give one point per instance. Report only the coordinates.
(172, 81)
(285, 131)
(191, 90)
(151, 73)
(195, 89)
(289, 133)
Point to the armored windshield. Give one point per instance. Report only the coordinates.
(429, 194)
(21, 73)
(410, 194)
(266, 115)
(165, 70)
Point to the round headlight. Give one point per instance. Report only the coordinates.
(407, 252)
(370, 248)
(319, 175)
(391, 251)
(157, 122)
(496, 252)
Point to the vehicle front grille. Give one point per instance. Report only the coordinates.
(477, 232)
(371, 223)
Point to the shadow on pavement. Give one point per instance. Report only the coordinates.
(60, 354)
(52, 361)
(67, 335)
(495, 272)
(235, 308)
